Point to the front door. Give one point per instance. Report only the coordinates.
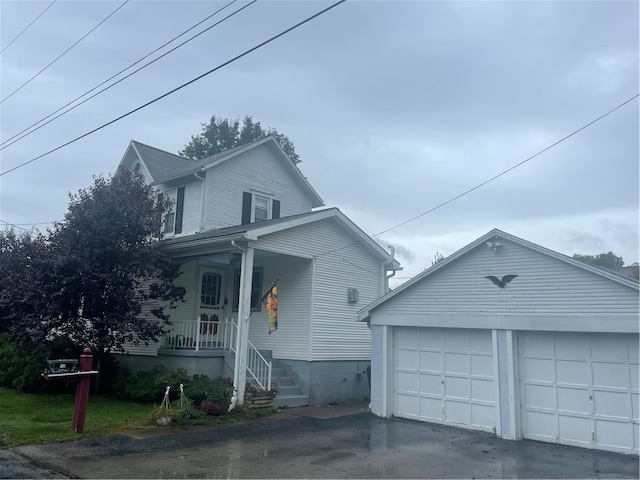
(212, 302)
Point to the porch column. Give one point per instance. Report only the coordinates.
(244, 310)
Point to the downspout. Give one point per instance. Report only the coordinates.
(389, 262)
(202, 202)
(236, 361)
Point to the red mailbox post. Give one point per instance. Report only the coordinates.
(83, 377)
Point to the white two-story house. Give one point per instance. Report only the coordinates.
(242, 220)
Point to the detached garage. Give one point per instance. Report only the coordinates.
(509, 337)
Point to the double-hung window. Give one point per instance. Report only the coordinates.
(258, 207)
(173, 218)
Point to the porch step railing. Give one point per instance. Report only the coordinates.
(259, 367)
(220, 335)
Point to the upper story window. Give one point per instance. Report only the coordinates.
(257, 207)
(172, 222)
(136, 167)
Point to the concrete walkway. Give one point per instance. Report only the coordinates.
(312, 442)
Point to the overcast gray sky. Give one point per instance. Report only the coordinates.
(394, 108)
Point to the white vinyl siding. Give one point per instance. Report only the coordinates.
(545, 287)
(292, 339)
(336, 333)
(258, 170)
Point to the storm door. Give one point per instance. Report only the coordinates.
(211, 305)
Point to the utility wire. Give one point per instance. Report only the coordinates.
(64, 53)
(209, 72)
(466, 192)
(27, 27)
(6, 143)
(14, 225)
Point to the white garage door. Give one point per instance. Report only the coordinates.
(580, 389)
(445, 376)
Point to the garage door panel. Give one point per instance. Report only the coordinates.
(480, 342)
(540, 370)
(608, 374)
(614, 434)
(457, 363)
(613, 404)
(537, 344)
(482, 390)
(457, 412)
(576, 429)
(457, 340)
(634, 376)
(431, 361)
(408, 338)
(482, 365)
(634, 349)
(635, 407)
(431, 383)
(483, 415)
(431, 339)
(607, 347)
(573, 372)
(430, 408)
(540, 396)
(457, 387)
(541, 425)
(573, 345)
(407, 359)
(574, 400)
(407, 382)
(407, 405)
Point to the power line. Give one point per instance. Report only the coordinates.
(64, 53)
(6, 143)
(27, 27)
(466, 192)
(209, 72)
(14, 225)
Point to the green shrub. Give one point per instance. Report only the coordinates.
(149, 386)
(21, 366)
(216, 391)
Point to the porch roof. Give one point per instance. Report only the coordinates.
(253, 231)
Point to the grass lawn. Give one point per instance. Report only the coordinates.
(27, 419)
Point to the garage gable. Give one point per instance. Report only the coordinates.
(501, 281)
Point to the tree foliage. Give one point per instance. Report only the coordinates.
(437, 258)
(223, 134)
(608, 260)
(87, 279)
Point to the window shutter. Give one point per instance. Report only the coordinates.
(275, 209)
(159, 218)
(179, 210)
(246, 208)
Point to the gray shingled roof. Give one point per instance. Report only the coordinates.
(164, 165)
(236, 229)
(159, 162)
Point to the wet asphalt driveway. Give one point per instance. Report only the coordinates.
(312, 443)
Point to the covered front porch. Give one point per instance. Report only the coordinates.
(221, 287)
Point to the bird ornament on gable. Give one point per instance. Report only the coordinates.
(502, 283)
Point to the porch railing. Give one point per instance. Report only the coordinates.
(201, 335)
(220, 335)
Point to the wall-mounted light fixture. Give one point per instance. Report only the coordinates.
(353, 296)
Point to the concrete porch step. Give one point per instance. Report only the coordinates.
(290, 400)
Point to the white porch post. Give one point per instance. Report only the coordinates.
(244, 310)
